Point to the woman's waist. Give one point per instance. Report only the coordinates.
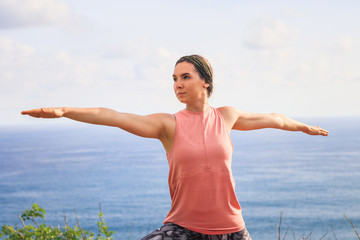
(205, 175)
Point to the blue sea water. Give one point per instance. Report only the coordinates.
(313, 180)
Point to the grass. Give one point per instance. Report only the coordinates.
(306, 237)
(41, 231)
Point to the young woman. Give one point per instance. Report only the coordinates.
(198, 148)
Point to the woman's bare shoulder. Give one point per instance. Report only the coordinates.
(231, 110)
(166, 118)
(228, 110)
(225, 108)
(161, 116)
(230, 115)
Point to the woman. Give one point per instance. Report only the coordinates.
(198, 147)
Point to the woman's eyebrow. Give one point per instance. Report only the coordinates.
(182, 74)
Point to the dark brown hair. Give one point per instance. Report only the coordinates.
(202, 66)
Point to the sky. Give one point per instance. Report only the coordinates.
(298, 58)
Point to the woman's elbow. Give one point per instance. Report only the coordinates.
(277, 120)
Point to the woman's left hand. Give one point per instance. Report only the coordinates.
(44, 112)
(315, 130)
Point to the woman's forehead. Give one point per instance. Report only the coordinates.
(184, 67)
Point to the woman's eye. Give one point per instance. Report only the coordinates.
(186, 77)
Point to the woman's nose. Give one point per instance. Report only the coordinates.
(178, 84)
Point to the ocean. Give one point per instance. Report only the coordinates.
(312, 181)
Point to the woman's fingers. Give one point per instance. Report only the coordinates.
(324, 132)
(44, 112)
(32, 112)
(314, 130)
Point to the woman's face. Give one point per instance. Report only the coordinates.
(188, 86)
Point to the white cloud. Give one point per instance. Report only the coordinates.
(25, 13)
(13, 56)
(64, 57)
(344, 44)
(139, 49)
(267, 33)
(140, 60)
(12, 49)
(130, 68)
(30, 78)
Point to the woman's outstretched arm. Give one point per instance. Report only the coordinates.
(241, 120)
(151, 126)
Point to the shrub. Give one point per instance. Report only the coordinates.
(35, 230)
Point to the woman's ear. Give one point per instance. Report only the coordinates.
(206, 85)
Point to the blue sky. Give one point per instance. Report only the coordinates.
(297, 58)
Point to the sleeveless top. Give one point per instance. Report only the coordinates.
(202, 188)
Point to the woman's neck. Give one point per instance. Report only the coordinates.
(198, 107)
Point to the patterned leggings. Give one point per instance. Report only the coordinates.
(171, 231)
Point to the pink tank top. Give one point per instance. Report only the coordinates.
(202, 188)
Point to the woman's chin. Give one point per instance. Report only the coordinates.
(182, 100)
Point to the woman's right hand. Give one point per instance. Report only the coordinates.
(44, 112)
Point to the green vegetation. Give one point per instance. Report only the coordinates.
(308, 237)
(43, 232)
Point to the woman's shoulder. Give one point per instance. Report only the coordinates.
(226, 110)
(231, 113)
(224, 107)
(164, 119)
(162, 116)
(230, 110)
